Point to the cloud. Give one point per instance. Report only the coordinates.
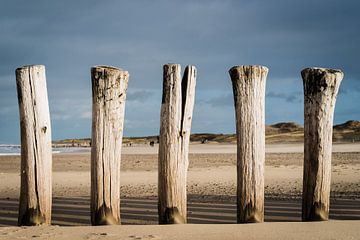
(343, 91)
(226, 100)
(293, 97)
(70, 37)
(139, 95)
(349, 86)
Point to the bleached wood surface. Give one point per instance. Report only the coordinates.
(36, 152)
(321, 86)
(176, 115)
(249, 98)
(109, 87)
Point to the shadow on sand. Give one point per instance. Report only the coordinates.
(73, 211)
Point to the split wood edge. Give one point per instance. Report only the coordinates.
(178, 100)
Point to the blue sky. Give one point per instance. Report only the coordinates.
(69, 37)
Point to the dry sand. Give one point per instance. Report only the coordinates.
(211, 196)
(349, 230)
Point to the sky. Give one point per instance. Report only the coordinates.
(69, 37)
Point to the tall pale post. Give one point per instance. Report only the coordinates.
(321, 86)
(36, 152)
(176, 116)
(109, 87)
(249, 98)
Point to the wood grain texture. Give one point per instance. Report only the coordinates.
(109, 87)
(249, 98)
(320, 90)
(176, 116)
(36, 152)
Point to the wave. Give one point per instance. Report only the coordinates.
(14, 150)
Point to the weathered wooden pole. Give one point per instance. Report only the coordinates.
(176, 115)
(109, 87)
(249, 98)
(321, 86)
(36, 152)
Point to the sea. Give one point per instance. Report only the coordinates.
(14, 150)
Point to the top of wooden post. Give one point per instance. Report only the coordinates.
(109, 68)
(256, 70)
(321, 69)
(171, 65)
(319, 72)
(30, 66)
(248, 66)
(317, 79)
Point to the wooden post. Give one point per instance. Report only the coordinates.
(320, 89)
(36, 152)
(249, 98)
(176, 115)
(109, 87)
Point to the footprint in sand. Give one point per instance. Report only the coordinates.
(143, 237)
(131, 237)
(96, 235)
(10, 231)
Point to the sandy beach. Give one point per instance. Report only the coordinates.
(211, 194)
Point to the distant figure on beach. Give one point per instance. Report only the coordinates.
(152, 143)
